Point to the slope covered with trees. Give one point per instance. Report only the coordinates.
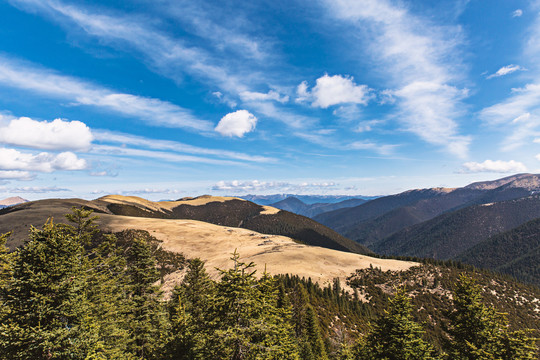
(450, 234)
(515, 252)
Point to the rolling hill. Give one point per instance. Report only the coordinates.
(193, 238)
(224, 211)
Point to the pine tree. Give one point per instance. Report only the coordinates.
(146, 314)
(395, 335)
(190, 313)
(247, 323)
(478, 332)
(50, 313)
(313, 334)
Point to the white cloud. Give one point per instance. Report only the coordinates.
(419, 57)
(505, 70)
(173, 146)
(158, 155)
(37, 189)
(384, 149)
(257, 96)
(333, 90)
(256, 185)
(15, 175)
(150, 191)
(55, 135)
(153, 111)
(497, 166)
(517, 13)
(11, 159)
(236, 123)
(167, 55)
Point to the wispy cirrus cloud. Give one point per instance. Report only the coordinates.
(505, 70)
(519, 114)
(46, 82)
(167, 55)
(420, 59)
(104, 136)
(36, 189)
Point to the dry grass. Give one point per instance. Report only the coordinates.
(212, 243)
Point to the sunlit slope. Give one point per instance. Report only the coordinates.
(210, 242)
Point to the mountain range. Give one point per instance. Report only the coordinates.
(444, 223)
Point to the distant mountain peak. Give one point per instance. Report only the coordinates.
(518, 181)
(14, 200)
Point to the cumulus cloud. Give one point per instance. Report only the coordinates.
(517, 13)
(497, 166)
(236, 123)
(505, 70)
(333, 90)
(257, 96)
(15, 175)
(55, 135)
(11, 159)
(256, 185)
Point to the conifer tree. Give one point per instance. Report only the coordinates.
(146, 313)
(50, 313)
(245, 324)
(313, 334)
(395, 335)
(478, 332)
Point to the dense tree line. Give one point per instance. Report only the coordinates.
(72, 292)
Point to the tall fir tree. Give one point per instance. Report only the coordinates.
(245, 324)
(146, 313)
(478, 332)
(50, 313)
(395, 335)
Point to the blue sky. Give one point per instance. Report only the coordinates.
(164, 99)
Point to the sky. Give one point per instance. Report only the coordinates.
(170, 98)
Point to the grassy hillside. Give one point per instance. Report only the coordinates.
(450, 234)
(248, 215)
(515, 252)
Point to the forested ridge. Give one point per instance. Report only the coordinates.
(74, 292)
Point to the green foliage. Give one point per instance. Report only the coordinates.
(247, 324)
(395, 335)
(478, 332)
